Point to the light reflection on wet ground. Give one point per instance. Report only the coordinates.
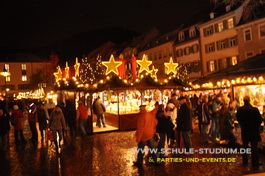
(106, 154)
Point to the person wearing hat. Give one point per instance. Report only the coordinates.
(184, 123)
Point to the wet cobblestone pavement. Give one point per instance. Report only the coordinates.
(108, 154)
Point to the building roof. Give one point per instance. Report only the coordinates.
(251, 67)
(20, 57)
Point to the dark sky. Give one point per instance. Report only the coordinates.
(41, 22)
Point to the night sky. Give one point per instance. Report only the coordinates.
(41, 22)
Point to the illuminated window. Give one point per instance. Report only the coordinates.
(230, 23)
(7, 67)
(8, 79)
(247, 34)
(24, 67)
(234, 60)
(24, 77)
(220, 27)
(212, 66)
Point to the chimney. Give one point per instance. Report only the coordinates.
(212, 15)
(228, 8)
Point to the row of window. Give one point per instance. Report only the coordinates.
(219, 27)
(193, 67)
(187, 50)
(248, 33)
(192, 33)
(220, 45)
(160, 54)
(222, 63)
(23, 70)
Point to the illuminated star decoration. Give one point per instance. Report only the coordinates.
(66, 71)
(77, 66)
(144, 64)
(112, 65)
(58, 75)
(153, 72)
(171, 66)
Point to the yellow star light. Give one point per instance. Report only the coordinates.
(112, 65)
(171, 66)
(144, 64)
(153, 72)
(66, 71)
(58, 75)
(76, 66)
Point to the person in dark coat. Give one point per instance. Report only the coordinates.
(32, 119)
(184, 123)
(250, 119)
(70, 115)
(164, 126)
(204, 118)
(228, 124)
(4, 129)
(42, 119)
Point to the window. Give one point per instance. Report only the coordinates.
(262, 30)
(196, 66)
(232, 41)
(165, 52)
(170, 51)
(151, 56)
(195, 48)
(212, 66)
(24, 77)
(247, 34)
(23, 86)
(8, 79)
(7, 67)
(221, 45)
(179, 52)
(187, 50)
(210, 47)
(181, 36)
(192, 32)
(249, 54)
(155, 56)
(220, 27)
(208, 31)
(160, 54)
(234, 60)
(220, 64)
(230, 23)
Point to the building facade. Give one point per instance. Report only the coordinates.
(218, 39)
(187, 51)
(251, 39)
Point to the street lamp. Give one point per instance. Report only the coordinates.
(5, 74)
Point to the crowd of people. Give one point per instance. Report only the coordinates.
(216, 116)
(60, 120)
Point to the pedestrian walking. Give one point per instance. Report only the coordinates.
(250, 119)
(32, 119)
(57, 125)
(163, 128)
(204, 119)
(184, 123)
(146, 128)
(42, 120)
(16, 120)
(81, 117)
(70, 116)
